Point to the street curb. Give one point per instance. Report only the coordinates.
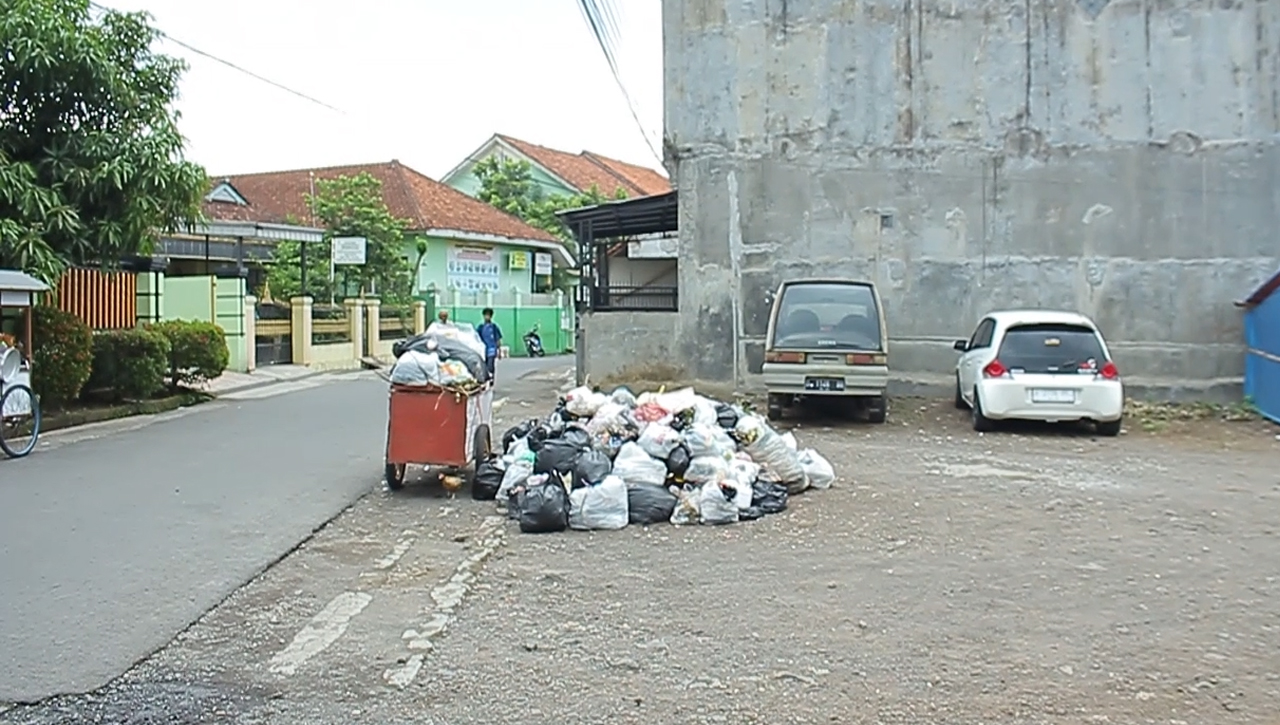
(92, 416)
(275, 381)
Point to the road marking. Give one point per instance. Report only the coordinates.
(390, 560)
(447, 597)
(323, 630)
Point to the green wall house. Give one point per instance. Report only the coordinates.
(560, 172)
(472, 255)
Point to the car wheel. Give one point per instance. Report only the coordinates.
(981, 422)
(960, 404)
(1110, 428)
(775, 406)
(878, 410)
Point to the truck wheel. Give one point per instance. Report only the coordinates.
(878, 409)
(775, 406)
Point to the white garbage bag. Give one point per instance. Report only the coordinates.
(676, 400)
(716, 503)
(584, 402)
(704, 412)
(819, 470)
(517, 474)
(790, 439)
(453, 373)
(416, 368)
(707, 469)
(658, 440)
(686, 513)
(624, 397)
(708, 440)
(463, 333)
(636, 468)
(600, 507)
(610, 418)
(767, 448)
(743, 474)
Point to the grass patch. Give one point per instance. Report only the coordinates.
(1156, 417)
(87, 413)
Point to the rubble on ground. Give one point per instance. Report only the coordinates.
(605, 461)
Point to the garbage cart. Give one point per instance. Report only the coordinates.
(437, 428)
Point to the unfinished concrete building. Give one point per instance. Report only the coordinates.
(1117, 157)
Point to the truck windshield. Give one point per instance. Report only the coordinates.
(827, 316)
(1050, 348)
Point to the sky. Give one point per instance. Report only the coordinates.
(424, 82)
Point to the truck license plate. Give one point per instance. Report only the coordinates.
(1053, 396)
(824, 384)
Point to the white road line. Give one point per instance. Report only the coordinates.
(390, 560)
(447, 597)
(323, 630)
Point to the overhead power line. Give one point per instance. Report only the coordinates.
(233, 66)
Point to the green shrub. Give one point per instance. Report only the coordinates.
(198, 351)
(130, 363)
(63, 355)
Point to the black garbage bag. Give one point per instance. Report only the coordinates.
(557, 454)
(577, 436)
(517, 432)
(726, 416)
(417, 342)
(453, 350)
(678, 460)
(649, 504)
(539, 435)
(592, 466)
(515, 501)
(750, 514)
(487, 481)
(770, 498)
(544, 507)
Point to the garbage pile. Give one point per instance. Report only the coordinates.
(603, 461)
(445, 355)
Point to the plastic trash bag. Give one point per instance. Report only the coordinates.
(584, 402)
(576, 436)
(636, 467)
(678, 461)
(599, 507)
(742, 475)
(751, 513)
(658, 440)
(707, 468)
(544, 506)
(676, 400)
(704, 411)
(770, 498)
(651, 412)
(487, 480)
(726, 416)
(516, 475)
(789, 438)
(611, 418)
(592, 466)
(648, 504)
(463, 335)
(716, 504)
(516, 432)
(767, 448)
(557, 454)
(455, 373)
(686, 511)
(820, 472)
(708, 440)
(415, 367)
(624, 397)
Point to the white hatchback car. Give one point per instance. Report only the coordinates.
(1038, 365)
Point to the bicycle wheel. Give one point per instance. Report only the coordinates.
(19, 421)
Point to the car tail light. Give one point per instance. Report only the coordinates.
(1110, 371)
(784, 357)
(995, 369)
(862, 358)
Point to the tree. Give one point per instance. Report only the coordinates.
(91, 165)
(348, 206)
(508, 185)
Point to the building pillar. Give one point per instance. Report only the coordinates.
(355, 319)
(419, 317)
(250, 333)
(372, 325)
(300, 320)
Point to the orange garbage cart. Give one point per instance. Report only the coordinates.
(437, 428)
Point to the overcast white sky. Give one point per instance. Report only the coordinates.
(422, 81)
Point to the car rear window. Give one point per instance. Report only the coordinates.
(1050, 348)
(827, 316)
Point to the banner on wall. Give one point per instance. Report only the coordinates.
(473, 268)
(542, 263)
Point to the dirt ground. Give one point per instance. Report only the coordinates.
(1033, 575)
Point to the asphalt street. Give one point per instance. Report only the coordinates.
(113, 541)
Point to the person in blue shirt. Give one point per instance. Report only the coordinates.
(491, 336)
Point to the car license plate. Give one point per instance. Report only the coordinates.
(824, 384)
(1053, 396)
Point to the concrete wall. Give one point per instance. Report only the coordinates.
(977, 154)
(615, 342)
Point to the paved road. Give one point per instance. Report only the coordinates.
(113, 540)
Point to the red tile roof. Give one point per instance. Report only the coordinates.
(278, 196)
(586, 169)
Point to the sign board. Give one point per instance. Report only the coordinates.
(473, 268)
(518, 260)
(542, 263)
(349, 250)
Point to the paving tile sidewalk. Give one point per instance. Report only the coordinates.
(230, 381)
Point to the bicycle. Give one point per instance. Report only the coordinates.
(19, 407)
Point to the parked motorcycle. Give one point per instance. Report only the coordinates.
(533, 343)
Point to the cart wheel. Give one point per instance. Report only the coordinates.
(395, 476)
(481, 445)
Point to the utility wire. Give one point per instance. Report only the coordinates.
(602, 20)
(233, 66)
